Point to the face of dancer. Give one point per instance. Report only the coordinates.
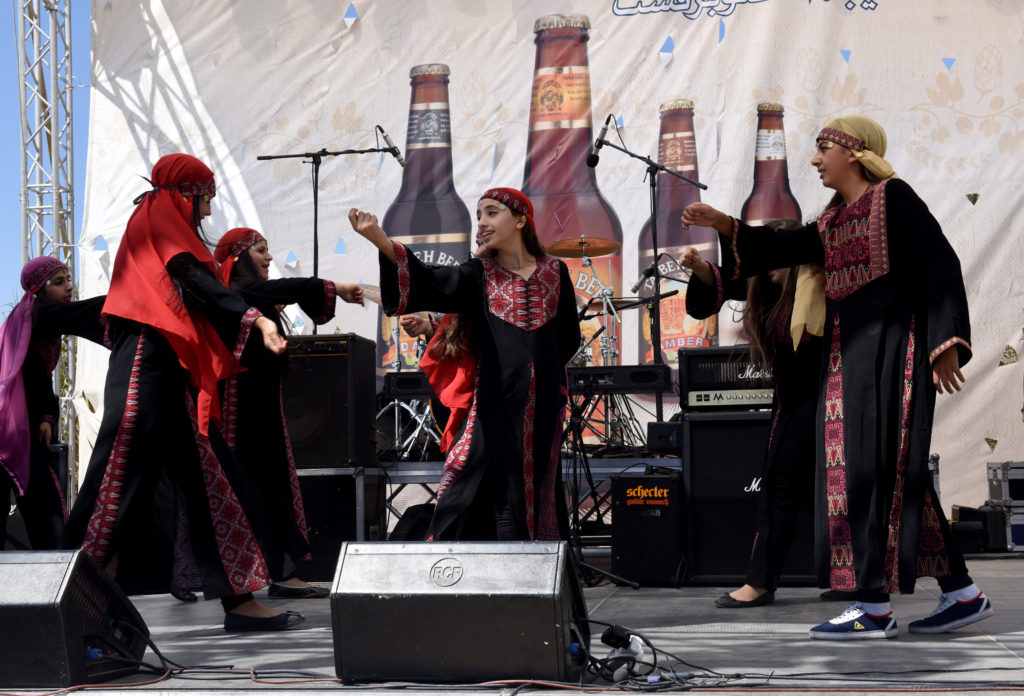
(205, 209)
(835, 164)
(497, 227)
(59, 288)
(261, 258)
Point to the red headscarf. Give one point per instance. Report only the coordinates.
(514, 199)
(141, 290)
(232, 245)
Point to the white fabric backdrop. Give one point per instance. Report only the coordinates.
(232, 79)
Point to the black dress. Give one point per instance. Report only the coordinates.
(895, 300)
(789, 463)
(502, 476)
(161, 506)
(43, 506)
(254, 426)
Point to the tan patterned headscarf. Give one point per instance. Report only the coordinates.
(862, 136)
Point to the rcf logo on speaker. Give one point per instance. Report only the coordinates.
(646, 495)
(446, 572)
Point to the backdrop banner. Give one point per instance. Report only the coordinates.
(232, 80)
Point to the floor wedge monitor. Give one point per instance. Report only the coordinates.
(457, 612)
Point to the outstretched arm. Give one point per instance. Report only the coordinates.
(704, 215)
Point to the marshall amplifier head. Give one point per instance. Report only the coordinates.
(723, 377)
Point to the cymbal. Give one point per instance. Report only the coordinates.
(596, 305)
(577, 247)
(371, 293)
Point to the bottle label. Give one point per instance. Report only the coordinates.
(430, 125)
(560, 98)
(770, 145)
(678, 151)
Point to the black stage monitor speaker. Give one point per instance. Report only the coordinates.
(64, 622)
(723, 464)
(455, 612)
(329, 400)
(647, 523)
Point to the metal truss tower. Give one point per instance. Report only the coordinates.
(43, 36)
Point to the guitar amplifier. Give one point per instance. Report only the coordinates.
(724, 377)
(621, 379)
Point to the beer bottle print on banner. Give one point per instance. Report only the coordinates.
(427, 214)
(771, 198)
(677, 151)
(557, 179)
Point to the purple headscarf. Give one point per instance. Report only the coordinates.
(15, 335)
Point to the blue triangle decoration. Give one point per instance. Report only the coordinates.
(618, 122)
(380, 161)
(846, 54)
(721, 30)
(948, 62)
(339, 248)
(292, 258)
(351, 12)
(100, 244)
(669, 46)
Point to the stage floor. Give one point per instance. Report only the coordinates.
(757, 648)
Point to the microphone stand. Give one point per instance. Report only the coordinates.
(652, 175)
(315, 159)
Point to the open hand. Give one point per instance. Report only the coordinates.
(946, 372)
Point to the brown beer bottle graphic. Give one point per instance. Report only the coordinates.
(771, 198)
(427, 213)
(563, 188)
(677, 151)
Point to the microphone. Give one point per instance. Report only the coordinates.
(594, 157)
(648, 272)
(391, 146)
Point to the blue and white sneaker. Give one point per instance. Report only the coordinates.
(855, 624)
(952, 614)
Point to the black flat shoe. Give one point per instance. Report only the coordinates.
(285, 592)
(727, 602)
(838, 596)
(186, 596)
(237, 623)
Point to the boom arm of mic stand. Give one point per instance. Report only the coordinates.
(657, 167)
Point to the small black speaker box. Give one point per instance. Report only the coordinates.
(329, 500)
(647, 522)
(64, 622)
(723, 466)
(456, 612)
(329, 400)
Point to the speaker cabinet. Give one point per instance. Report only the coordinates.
(647, 522)
(336, 513)
(64, 622)
(329, 400)
(456, 612)
(723, 466)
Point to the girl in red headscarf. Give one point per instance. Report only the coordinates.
(502, 478)
(29, 350)
(253, 410)
(161, 506)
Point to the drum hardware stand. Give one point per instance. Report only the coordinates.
(573, 435)
(653, 168)
(418, 410)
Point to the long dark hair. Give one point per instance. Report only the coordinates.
(768, 304)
